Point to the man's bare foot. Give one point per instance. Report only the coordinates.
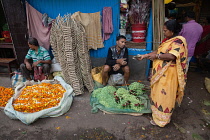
(104, 84)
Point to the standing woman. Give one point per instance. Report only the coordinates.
(168, 74)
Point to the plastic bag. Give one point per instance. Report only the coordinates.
(17, 78)
(55, 67)
(56, 111)
(97, 74)
(116, 79)
(96, 105)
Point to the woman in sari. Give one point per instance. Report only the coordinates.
(168, 74)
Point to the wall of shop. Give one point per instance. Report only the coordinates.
(55, 7)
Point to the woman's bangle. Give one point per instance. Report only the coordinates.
(158, 56)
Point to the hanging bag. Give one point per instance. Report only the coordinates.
(38, 74)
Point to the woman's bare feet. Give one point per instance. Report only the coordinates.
(153, 122)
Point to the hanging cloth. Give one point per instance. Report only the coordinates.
(36, 28)
(107, 23)
(46, 20)
(92, 25)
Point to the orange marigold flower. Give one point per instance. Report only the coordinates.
(38, 97)
(5, 95)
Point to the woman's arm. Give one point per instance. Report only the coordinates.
(147, 55)
(166, 56)
(154, 55)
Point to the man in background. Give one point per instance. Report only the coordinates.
(191, 31)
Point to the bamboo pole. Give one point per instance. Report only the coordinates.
(153, 20)
(158, 8)
(162, 18)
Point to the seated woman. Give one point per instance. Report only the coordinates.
(116, 61)
(41, 61)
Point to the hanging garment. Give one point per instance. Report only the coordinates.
(36, 28)
(107, 23)
(92, 25)
(70, 49)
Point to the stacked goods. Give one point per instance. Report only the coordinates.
(139, 11)
(121, 98)
(5, 95)
(39, 97)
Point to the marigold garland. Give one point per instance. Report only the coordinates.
(5, 95)
(38, 97)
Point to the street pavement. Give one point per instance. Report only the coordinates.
(189, 121)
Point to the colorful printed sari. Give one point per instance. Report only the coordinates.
(168, 80)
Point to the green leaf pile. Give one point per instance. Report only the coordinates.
(121, 98)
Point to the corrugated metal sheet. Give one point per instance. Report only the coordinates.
(55, 7)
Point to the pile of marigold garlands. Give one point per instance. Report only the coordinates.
(38, 97)
(5, 95)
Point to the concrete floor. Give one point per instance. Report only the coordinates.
(79, 123)
(4, 77)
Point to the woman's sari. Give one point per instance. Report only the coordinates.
(168, 80)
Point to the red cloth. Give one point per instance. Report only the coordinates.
(164, 40)
(204, 47)
(107, 23)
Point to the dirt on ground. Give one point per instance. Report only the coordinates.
(190, 121)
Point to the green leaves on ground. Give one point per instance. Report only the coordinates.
(206, 103)
(181, 129)
(197, 137)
